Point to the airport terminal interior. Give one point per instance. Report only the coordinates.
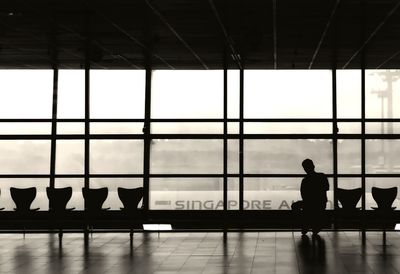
(168, 136)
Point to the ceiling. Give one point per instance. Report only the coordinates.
(200, 34)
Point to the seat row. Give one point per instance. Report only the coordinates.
(384, 198)
(59, 198)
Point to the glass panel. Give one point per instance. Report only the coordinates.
(40, 201)
(113, 184)
(116, 157)
(348, 93)
(286, 156)
(382, 183)
(26, 93)
(77, 184)
(116, 128)
(233, 93)
(117, 93)
(233, 128)
(382, 128)
(196, 128)
(25, 128)
(187, 94)
(382, 93)
(233, 156)
(349, 128)
(70, 156)
(186, 193)
(381, 156)
(186, 156)
(24, 157)
(71, 94)
(350, 183)
(287, 94)
(287, 128)
(275, 193)
(349, 156)
(233, 193)
(70, 128)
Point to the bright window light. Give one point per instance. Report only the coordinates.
(157, 227)
(397, 227)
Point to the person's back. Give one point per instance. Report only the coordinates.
(313, 192)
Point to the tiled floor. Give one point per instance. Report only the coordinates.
(241, 253)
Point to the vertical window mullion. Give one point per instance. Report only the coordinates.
(334, 141)
(54, 128)
(225, 157)
(241, 141)
(147, 140)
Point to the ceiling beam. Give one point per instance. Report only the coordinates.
(372, 35)
(228, 39)
(321, 40)
(131, 37)
(177, 35)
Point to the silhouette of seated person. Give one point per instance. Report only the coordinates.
(384, 198)
(313, 192)
(23, 198)
(349, 198)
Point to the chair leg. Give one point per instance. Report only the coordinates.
(131, 235)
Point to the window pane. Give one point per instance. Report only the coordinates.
(275, 193)
(287, 94)
(382, 183)
(25, 128)
(71, 94)
(349, 128)
(287, 128)
(113, 184)
(70, 128)
(233, 156)
(116, 128)
(188, 128)
(117, 93)
(233, 193)
(70, 156)
(24, 157)
(77, 184)
(187, 94)
(348, 93)
(286, 156)
(26, 93)
(382, 93)
(41, 199)
(187, 156)
(116, 157)
(382, 128)
(233, 93)
(186, 193)
(349, 156)
(382, 156)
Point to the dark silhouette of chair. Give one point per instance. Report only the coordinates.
(384, 197)
(23, 198)
(94, 199)
(349, 198)
(130, 198)
(58, 199)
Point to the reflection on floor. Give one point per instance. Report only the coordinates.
(241, 253)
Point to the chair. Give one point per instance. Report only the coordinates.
(58, 199)
(130, 198)
(384, 197)
(23, 198)
(94, 199)
(349, 198)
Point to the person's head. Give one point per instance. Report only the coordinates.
(308, 166)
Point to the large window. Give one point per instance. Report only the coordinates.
(204, 145)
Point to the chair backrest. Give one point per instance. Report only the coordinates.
(130, 197)
(384, 197)
(349, 198)
(94, 198)
(58, 198)
(23, 197)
